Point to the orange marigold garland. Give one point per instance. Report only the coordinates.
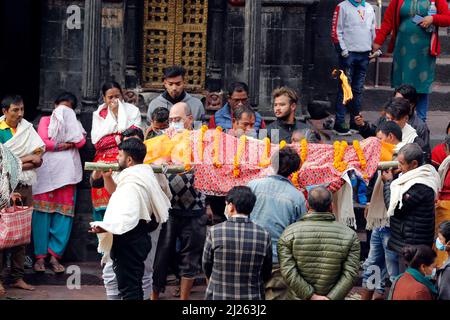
(265, 157)
(237, 157)
(339, 152)
(200, 142)
(361, 157)
(217, 136)
(303, 156)
(187, 152)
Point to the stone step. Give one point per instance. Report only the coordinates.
(385, 66)
(375, 97)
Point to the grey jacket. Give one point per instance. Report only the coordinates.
(198, 111)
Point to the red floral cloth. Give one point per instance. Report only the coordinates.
(317, 169)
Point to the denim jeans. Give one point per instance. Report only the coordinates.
(422, 106)
(382, 258)
(355, 67)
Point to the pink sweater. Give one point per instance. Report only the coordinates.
(50, 144)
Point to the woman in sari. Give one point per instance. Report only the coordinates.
(55, 190)
(19, 136)
(108, 122)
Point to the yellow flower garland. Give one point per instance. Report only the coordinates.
(303, 150)
(282, 144)
(200, 142)
(187, 151)
(303, 156)
(217, 135)
(240, 151)
(265, 157)
(339, 152)
(361, 157)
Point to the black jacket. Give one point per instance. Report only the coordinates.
(413, 224)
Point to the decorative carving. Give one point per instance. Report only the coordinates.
(175, 33)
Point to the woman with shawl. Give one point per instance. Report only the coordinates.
(111, 119)
(55, 189)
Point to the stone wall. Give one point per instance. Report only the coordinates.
(62, 49)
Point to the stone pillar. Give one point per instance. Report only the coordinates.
(252, 48)
(133, 40)
(91, 55)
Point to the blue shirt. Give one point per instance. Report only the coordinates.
(278, 205)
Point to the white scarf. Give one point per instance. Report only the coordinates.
(63, 127)
(409, 134)
(24, 143)
(343, 203)
(425, 174)
(137, 196)
(128, 115)
(443, 169)
(377, 212)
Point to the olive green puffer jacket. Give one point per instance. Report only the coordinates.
(319, 255)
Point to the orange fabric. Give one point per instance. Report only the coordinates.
(387, 151)
(442, 214)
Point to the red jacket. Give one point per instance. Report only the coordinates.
(391, 23)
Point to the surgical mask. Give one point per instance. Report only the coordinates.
(432, 276)
(439, 245)
(177, 125)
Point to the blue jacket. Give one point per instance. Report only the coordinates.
(278, 205)
(222, 118)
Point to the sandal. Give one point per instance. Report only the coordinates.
(56, 266)
(176, 292)
(39, 265)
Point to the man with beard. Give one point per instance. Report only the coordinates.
(284, 106)
(123, 234)
(175, 85)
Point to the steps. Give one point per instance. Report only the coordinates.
(375, 96)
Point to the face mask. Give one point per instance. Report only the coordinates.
(177, 125)
(431, 276)
(439, 245)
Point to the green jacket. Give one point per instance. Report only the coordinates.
(319, 255)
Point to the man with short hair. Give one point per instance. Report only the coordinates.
(174, 93)
(159, 122)
(243, 122)
(278, 205)
(319, 257)
(123, 234)
(284, 106)
(187, 221)
(235, 243)
(410, 94)
(237, 97)
(410, 200)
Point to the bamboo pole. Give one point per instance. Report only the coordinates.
(98, 166)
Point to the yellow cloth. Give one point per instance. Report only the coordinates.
(387, 151)
(442, 214)
(4, 126)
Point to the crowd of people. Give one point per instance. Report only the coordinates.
(272, 241)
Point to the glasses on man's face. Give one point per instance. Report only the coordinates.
(236, 101)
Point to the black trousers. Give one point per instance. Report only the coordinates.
(128, 254)
(191, 231)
